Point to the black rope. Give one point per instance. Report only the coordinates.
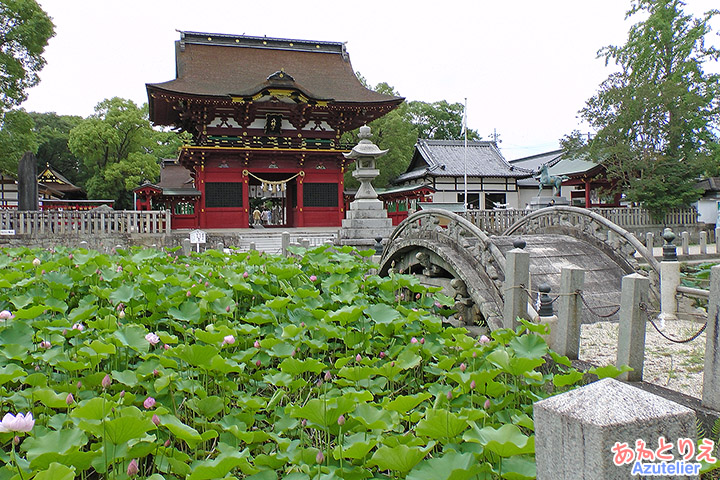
(644, 308)
(592, 310)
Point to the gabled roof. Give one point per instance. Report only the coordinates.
(56, 181)
(449, 158)
(211, 64)
(534, 162)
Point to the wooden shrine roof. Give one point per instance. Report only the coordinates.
(217, 65)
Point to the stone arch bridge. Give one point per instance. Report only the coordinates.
(445, 249)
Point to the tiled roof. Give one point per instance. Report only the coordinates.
(449, 158)
(534, 162)
(174, 176)
(210, 64)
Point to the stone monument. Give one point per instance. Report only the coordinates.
(27, 183)
(367, 218)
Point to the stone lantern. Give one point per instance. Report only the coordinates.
(367, 218)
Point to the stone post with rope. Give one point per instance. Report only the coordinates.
(631, 331)
(517, 284)
(669, 278)
(711, 378)
(567, 338)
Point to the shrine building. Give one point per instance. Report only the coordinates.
(265, 116)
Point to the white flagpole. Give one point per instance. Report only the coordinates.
(465, 152)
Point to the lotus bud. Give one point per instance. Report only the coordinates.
(122, 394)
(16, 440)
(69, 399)
(313, 278)
(132, 469)
(382, 354)
(256, 344)
(227, 309)
(341, 420)
(121, 314)
(328, 376)
(258, 363)
(319, 458)
(358, 357)
(302, 324)
(166, 346)
(155, 372)
(474, 354)
(246, 274)
(422, 341)
(156, 419)
(449, 395)
(487, 404)
(79, 385)
(472, 385)
(462, 367)
(392, 364)
(106, 381)
(167, 443)
(484, 339)
(188, 293)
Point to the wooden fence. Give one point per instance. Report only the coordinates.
(497, 221)
(84, 222)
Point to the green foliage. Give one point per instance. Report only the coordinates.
(399, 130)
(16, 138)
(120, 149)
(657, 118)
(257, 369)
(53, 132)
(24, 33)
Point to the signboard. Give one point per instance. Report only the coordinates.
(7, 232)
(197, 237)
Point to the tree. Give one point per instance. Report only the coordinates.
(120, 149)
(16, 137)
(657, 117)
(24, 33)
(399, 130)
(53, 132)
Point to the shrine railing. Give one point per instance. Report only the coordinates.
(13, 222)
(497, 221)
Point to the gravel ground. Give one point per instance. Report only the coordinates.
(675, 366)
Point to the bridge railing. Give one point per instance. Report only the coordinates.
(84, 222)
(497, 221)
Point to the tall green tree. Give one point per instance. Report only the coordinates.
(53, 132)
(399, 130)
(24, 33)
(657, 117)
(120, 149)
(17, 136)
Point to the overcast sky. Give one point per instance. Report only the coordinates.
(526, 67)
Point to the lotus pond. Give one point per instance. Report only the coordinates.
(148, 364)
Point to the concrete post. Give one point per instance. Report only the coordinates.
(285, 243)
(220, 246)
(576, 430)
(703, 242)
(650, 241)
(567, 339)
(186, 246)
(305, 243)
(517, 280)
(669, 281)
(252, 246)
(631, 331)
(717, 239)
(685, 243)
(711, 375)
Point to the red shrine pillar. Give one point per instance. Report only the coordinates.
(341, 196)
(246, 198)
(202, 222)
(299, 216)
(587, 194)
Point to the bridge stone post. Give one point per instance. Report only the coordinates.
(650, 241)
(703, 242)
(567, 338)
(717, 239)
(711, 379)
(285, 243)
(517, 280)
(631, 331)
(186, 246)
(685, 242)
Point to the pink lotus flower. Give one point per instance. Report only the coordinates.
(69, 399)
(484, 339)
(319, 458)
(382, 354)
(78, 326)
(45, 344)
(156, 419)
(256, 344)
(132, 469)
(119, 269)
(413, 340)
(36, 262)
(106, 381)
(228, 340)
(17, 423)
(166, 346)
(313, 278)
(152, 338)
(246, 274)
(5, 315)
(149, 402)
